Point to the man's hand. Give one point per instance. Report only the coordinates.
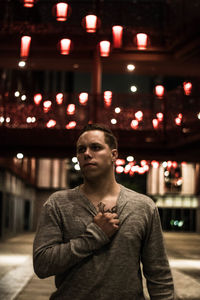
(108, 222)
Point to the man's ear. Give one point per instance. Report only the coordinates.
(114, 154)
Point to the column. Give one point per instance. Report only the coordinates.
(96, 85)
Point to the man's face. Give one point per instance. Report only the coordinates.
(94, 155)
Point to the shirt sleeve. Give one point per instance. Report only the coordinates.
(51, 256)
(155, 262)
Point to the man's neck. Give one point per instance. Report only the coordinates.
(100, 189)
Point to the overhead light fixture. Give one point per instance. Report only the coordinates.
(159, 91)
(71, 109)
(187, 86)
(91, 23)
(25, 46)
(59, 98)
(37, 99)
(133, 88)
(62, 11)
(130, 67)
(21, 63)
(104, 48)
(141, 40)
(107, 98)
(83, 98)
(65, 46)
(29, 3)
(117, 32)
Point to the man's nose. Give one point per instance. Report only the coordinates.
(87, 153)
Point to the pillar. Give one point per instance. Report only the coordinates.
(96, 85)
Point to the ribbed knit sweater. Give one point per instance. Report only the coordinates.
(87, 265)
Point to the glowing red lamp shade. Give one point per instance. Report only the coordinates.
(119, 169)
(139, 115)
(180, 116)
(187, 86)
(104, 48)
(155, 123)
(83, 98)
(65, 46)
(143, 163)
(134, 124)
(159, 116)
(159, 91)
(117, 32)
(178, 121)
(141, 40)
(155, 164)
(90, 22)
(174, 164)
(71, 125)
(37, 99)
(59, 98)
(61, 11)
(51, 123)
(71, 109)
(25, 46)
(120, 162)
(107, 98)
(47, 105)
(29, 3)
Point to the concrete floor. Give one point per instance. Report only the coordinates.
(17, 280)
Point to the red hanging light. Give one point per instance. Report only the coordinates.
(51, 123)
(117, 32)
(155, 123)
(141, 39)
(29, 3)
(65, 46)
(187, 86)
(25, 46)
(143, 163)
(71, 125)
(134, 124)
(159, 115)
(90, 22)
(155, 164)
(83, 98)
(107, 98)
(37, 99)
(104, 48)
(139, 115)
(47, 105)
(61, 11)
(120, 162)
(59, 98)
(71, 109)
(159, 91)
(178, 121)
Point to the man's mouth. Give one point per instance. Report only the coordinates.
(89, 164)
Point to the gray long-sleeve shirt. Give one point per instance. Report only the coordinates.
(87, 264)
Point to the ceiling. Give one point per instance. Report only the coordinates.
(174, 38)
(173, 50)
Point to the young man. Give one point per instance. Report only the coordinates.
(93, 238)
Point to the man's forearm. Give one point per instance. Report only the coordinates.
(55, 258)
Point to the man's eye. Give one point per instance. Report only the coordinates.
(81, 150)
(96, 147)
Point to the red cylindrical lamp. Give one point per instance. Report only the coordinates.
(61, 11)
(104, 48)
(141, 40)
(65, 46)
(117, 32)
(25, 46)
(159, 91)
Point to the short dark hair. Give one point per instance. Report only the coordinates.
(110, 139)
